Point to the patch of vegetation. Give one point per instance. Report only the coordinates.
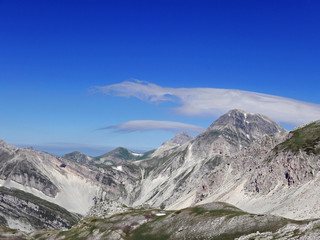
(120, 153)
(228, 236)
(144, 232)
(2, 220)
(92, 228)
(94, 220)
(145, 155)
(217, 212)
(74, 233)
(305, 138)
(132, 167)
(4, 229)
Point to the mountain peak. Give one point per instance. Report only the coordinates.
(77, 157)
(178, 140)
(181, 138)
(237, 111)
(120, 149)
(237, 129)
(232, 116)
(237, 119)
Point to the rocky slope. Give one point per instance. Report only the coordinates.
(67, 183)
(27, 212)
(47, 177)
(169, 146)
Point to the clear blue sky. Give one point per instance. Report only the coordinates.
(53, 54)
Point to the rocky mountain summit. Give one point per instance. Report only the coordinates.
(168, 146)
(243, 159)
(181, 138)
(235, 130)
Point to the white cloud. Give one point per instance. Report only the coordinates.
(146, 125)
(214, 102)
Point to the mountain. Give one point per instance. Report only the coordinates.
(78, 157)
(176, 141)
(234, 131)
(193, 172)
(119, 155)
(181, 138)
(243, 159)
(291, 168)
(64, 182)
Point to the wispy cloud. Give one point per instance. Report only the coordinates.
(147, 125)
(214, 102)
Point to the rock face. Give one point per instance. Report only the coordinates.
(67, 183)
(20, 166)
(233, 131)
(107, 208)
(176, 141)
(28, 212)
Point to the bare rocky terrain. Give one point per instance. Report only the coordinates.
(243, 159)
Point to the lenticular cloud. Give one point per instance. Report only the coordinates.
(146, 125)
(214, 102)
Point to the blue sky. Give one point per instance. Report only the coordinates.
(65, 68)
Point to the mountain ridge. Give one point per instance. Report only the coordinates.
(242, 159)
